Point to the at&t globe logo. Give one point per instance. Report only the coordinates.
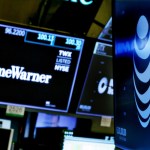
(141, 75)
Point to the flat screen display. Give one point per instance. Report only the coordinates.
(49, 120)
(38, 68)
(131, 74)
(83, 143)
(6, 138)
(97, 94)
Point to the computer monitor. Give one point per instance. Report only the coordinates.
(6, 138)
(50, 138)
(54, 120)
(38, 67)
(131, 73)
(84, 143)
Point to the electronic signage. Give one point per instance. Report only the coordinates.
(38, 68)
(131, 74)
(97, 94)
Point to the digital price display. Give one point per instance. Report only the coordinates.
(38, 68)
(97, 95)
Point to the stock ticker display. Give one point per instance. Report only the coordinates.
(38, 68)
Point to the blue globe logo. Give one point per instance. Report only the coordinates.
(141, 75)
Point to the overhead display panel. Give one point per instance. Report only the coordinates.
(132, 74)
(97, 94)
(37, 68)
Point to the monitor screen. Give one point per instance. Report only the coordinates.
(49, 120)
(6, 138)
(83, 143)
(131, 74)
(38, 67)
(97, 94)
(45, 120)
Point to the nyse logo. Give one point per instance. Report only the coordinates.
(83, 2)
(105, 85)
(63, 61)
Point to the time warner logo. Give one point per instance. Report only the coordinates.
(141, 75)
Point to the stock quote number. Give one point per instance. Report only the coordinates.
(45, 37)
(76, 42)
(15, 31)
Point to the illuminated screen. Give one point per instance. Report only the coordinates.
(97, 94)
(132, 96)
(83, 143)
(48, 120)
(37, 68)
